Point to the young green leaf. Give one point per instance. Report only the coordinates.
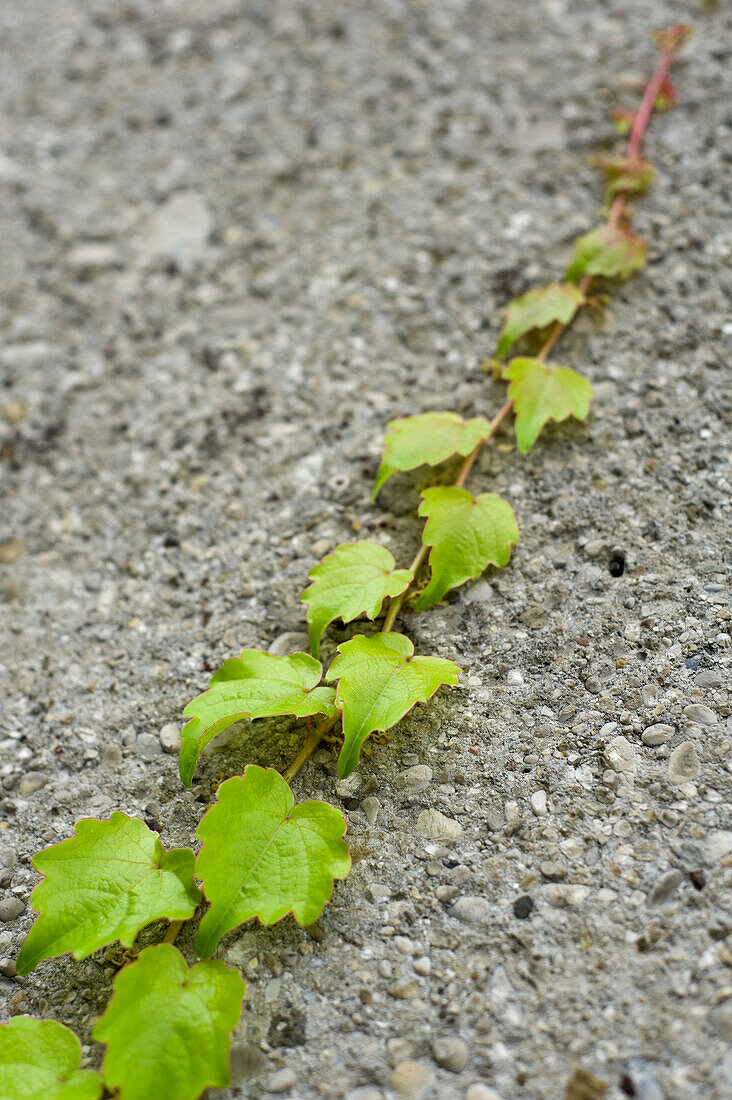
(39, 1060)
(380, 680)
(255, 685)
(354, 580)
(609, 251)
(538, 308)
(428, 439)
(105, 884)
(265, 857)
(467, 534)
(631, 174)
(623, 121)
(540, 393)
(668, 96)
(167, 1027)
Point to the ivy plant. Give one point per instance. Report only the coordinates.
(265, 856)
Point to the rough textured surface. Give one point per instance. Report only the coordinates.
(237, 239)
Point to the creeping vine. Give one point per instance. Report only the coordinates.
(167, 1026)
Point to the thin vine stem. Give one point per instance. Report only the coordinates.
(173, 929)
(643, 117)
(617, 211)
(673, 41)
(313, 739)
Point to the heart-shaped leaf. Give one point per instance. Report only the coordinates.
(265, 857)
(380, 679)
(39, 1060)
(467, 534)
(255, 685)
(609, 251)
(540, 393)
(105, 884)
(428, 439)
(537, 309)
(167, 1027)
(354, 580)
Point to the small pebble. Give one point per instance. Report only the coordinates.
(404, 991)
(423, 966)
(377, 891)
(719, 844)
(446, 892)
(148, 745)
(170, 738)
(111, 758)
(683, 763)
(371, 807)
(292, 641)
(433, 825)
(657, 734)
(555, 872)
(563, 895)
(10, 909)
(245, 1061)
(450, 1053)
(18, 1004)
(33, 781)
(481, 1092)
(414, 779)
(15, 412)
(281, 1081)
(411, 1079)
(471, 909)
(522, 907)
(538, 803)
(664, 887)
(700, 714)
(7, 968)
(513, 816)
(349, 787)
(8, 857)
(179, 228)
(620, 756)
(11, 551)
(365, 1092)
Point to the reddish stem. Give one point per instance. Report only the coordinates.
(671, 40)
(642, 118)
(644, 112)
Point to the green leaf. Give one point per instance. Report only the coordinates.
(354, 580)
(428, 439)
(39, 1060)
(542, 393)
(630, 174)
(538, 308)
(608, 251)
(467, 534)
(255, 685)
(105, 884)
(380, 680)
(265, 857)
(167, 1027)
(623, 121)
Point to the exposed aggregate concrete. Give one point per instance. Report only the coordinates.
(239, 238)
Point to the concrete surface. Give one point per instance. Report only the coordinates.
(237, 238)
